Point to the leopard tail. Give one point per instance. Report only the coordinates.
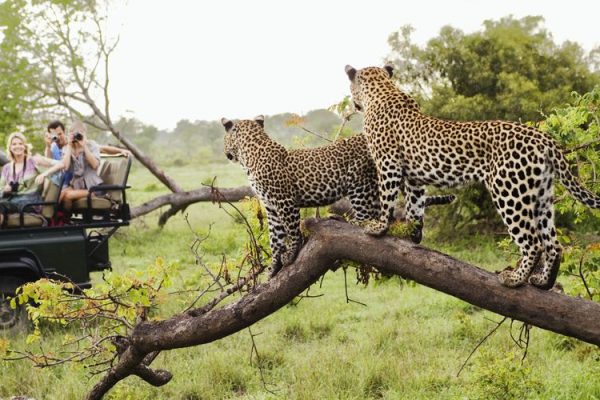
(569, 181)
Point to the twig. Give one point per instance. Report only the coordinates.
(587, 289)
(254, 351)
(315, 134)
(582, 146)
(348, 299)
(480, 343)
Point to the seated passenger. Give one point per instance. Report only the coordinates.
(81, 157)
(19, 181)
(56, 140)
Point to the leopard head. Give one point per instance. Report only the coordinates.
(238, 131)
(363, 77)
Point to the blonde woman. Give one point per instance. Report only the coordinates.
(18, 183)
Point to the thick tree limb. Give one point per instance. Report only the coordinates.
(332, 240)
(181, 200)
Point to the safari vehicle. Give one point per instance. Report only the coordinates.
(38, 245)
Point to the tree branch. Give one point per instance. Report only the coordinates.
(332, 240)
(179, 201)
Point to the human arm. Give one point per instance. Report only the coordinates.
(44, 161)
(48, 144)
(113, 150)
(91, 154)
(66, 159)
(55, 168)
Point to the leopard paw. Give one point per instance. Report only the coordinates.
(375, 228)
(290, 255)
(509, 279)
(274, 268)
(540, 280)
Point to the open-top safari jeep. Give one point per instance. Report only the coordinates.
(39, 245)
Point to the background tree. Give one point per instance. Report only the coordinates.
(69, 48)
(511, 70)
(18, 98)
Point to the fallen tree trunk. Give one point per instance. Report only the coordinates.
(333, 240)
(181, 200)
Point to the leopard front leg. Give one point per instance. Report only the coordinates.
(291, 220)
(276, 238)
(364, 198)
(389, 179)
(288, 216)
(414, 196)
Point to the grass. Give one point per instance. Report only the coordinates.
(409, 341)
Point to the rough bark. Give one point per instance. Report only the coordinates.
(332, 240)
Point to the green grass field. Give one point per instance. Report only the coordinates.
(408, 342)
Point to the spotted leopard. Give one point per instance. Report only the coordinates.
(517, 164)
(286, 181)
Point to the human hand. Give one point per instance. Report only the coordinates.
(40, 178)
(48, 139)
(126, 153)
(7, 189)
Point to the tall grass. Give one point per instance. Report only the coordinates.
(407, 342)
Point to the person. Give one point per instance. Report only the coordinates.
(56, 140)
(19, 178)
(81, 158)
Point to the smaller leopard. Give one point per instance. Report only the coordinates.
(286, 181)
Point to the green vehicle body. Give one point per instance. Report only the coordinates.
(68, 253)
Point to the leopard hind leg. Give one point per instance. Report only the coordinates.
(516, 208)
(545, 275)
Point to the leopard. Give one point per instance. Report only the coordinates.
(516, 163)
(287, 180)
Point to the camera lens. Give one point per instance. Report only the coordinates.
(54, 138)
(77, 136)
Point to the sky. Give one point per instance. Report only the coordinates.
(203, 60)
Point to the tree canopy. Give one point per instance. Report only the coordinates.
(512, 69)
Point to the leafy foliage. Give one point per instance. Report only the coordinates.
(18, 100)
(511, 70)
(98, 315)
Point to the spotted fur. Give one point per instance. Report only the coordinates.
(517, 164)
(286, 181)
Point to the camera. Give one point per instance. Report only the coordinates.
(14, 186)
(55, 138)
(77, 137)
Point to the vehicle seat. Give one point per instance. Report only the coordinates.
(49, 203)
(110, 201)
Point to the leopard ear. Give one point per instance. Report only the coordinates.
(260, 119)
(227, 124)
(351, 72)
(390, 69)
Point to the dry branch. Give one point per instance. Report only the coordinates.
(332, 240)
(181, 200)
